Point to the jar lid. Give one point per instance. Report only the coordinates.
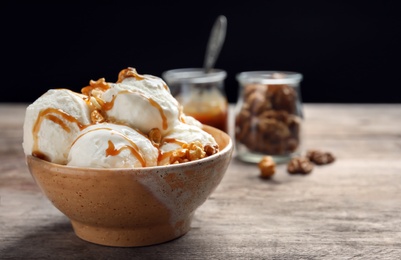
(193, 75)
(269, 77)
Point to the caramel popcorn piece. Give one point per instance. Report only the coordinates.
(320, 157)
(178, 156)
(267, 167)
(300, 165)
(195, 151)
(97, 117)
(211, 149)
(191, 152)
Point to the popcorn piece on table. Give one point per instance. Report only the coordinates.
(300, 165)
(320, 157)
(267, 167)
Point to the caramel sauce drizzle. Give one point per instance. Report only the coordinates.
(129, 73)
(166, 87)
(54, 115)
(164, 155)
(112, 151)
(175, 141)
(50, 114)
(99, 84)
(158, 107)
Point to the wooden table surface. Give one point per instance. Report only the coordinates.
(350, 209)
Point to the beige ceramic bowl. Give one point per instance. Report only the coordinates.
(132, 207)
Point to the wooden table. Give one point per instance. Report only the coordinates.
(350, 209)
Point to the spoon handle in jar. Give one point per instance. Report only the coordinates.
(216, 40)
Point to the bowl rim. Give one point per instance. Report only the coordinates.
(229, 147)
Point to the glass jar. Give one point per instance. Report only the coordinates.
(268, 115)
(201, 94)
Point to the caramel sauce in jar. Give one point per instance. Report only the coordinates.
(212, 116)
(200, 94)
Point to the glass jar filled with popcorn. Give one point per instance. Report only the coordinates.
(268, 115)
(201, 94)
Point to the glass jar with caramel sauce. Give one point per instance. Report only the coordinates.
(201, 94)
(268, 115)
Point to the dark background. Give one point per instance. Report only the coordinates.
(348, 52)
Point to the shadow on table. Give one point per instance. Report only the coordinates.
(58, 241)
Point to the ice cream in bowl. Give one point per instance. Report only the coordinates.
(122, 161)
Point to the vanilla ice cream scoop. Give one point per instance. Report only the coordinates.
(53, 122)
(142, 101)
(112, 146)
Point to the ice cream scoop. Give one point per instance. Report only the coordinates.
(143, 102)
(53, 122)
(112, 146)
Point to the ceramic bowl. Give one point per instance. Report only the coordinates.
(133, 207)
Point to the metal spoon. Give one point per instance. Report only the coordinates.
(216, 40)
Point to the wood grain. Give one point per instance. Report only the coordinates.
(347, 210)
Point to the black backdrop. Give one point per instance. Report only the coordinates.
(348, 52)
